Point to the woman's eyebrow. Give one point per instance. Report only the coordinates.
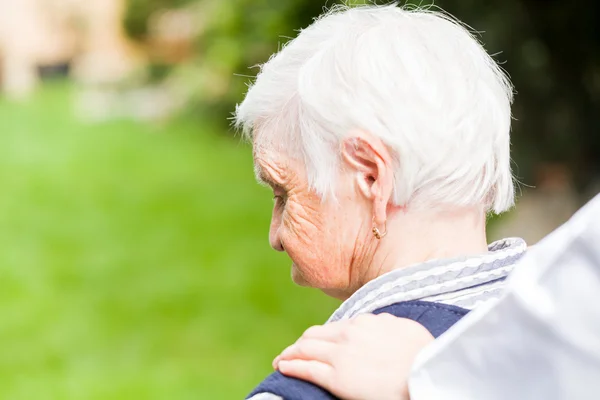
(262, 177)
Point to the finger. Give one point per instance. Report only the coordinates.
(331, 332)
(309, 349)
(312, 371)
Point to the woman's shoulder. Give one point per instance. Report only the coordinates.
(437, 318)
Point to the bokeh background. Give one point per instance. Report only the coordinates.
(134, 261)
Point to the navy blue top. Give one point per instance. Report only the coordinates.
(435, 317)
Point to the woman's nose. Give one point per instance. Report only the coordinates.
(274, 235)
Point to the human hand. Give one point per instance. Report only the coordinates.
(367, 357)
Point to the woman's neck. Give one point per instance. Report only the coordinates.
(415, 237)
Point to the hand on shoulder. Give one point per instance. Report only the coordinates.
(367, 357)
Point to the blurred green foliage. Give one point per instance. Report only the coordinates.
(135, 262)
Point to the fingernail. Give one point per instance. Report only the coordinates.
(276, 362)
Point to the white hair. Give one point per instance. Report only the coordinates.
(415, 78)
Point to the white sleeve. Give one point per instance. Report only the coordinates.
(540, 341)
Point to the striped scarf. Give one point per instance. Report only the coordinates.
(465, 282)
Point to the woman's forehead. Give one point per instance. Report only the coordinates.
(267, 151)
(274, 167)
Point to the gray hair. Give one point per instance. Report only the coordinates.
(416, 78)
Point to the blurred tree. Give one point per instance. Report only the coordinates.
(551, 50)
(139, 12)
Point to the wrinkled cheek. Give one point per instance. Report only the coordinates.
(301, 246)
(311, 241)
(303, 241)
(317, 269)
(298, 224)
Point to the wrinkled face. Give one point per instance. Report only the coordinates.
(319, 236)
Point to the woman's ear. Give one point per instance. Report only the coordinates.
(370, 159)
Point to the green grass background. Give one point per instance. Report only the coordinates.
(134, 260)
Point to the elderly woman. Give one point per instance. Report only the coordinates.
(384, 135)
(539, 341)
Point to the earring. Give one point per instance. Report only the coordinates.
(376, 231)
